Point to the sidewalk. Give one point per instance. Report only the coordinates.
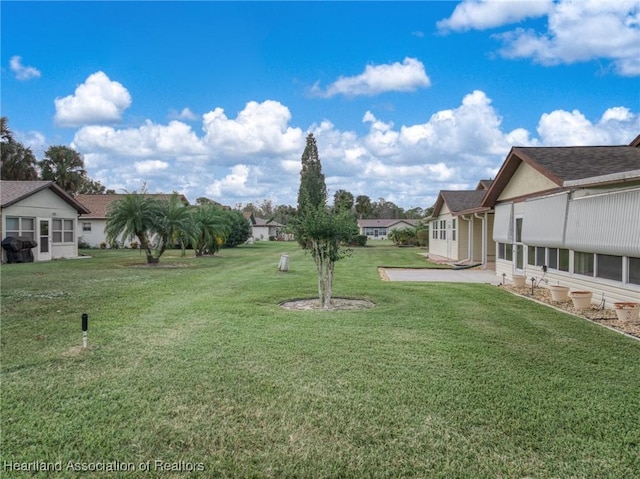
(441, 275)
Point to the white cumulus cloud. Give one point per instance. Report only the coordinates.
(98, 100)
(256, 155)
(577, 31)
(21, 71)
(260, 128)
(483, 14)
(150, 166)
(376, 79)
(563, 128)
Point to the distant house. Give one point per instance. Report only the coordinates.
(263, 229)
(380, 228)
(461, 229)
(43, 212)
(92, 224)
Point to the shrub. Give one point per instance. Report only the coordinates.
(103, 245)
(358, 240)
(134, 245)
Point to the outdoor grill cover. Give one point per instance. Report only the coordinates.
(18, 249)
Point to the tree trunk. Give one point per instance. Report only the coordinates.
(324, 265)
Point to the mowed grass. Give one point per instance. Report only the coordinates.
(194, 364)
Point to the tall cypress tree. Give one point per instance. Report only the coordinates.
(313, 190)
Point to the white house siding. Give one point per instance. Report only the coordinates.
(45, 204)
(445, 245)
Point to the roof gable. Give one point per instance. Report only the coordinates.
(12, 192)
(564, 164)
(458, 201)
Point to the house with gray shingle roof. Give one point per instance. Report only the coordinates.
(570, 215)
(460, 228)
(562, 215)
(42, 212)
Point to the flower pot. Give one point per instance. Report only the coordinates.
(628, 312)
(518, 279)
(559, 293)
(581, 299)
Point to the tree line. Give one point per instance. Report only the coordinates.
(361, 206)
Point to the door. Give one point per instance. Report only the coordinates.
(519, 249)
(44, 239)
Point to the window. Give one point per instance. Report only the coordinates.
(21, 227)
(609, 267)
(634, 270)
(443, 230)
(62, 231)
(505, 251)
(583, 263)
(86, 227)
(563, 261)
(535, 256)
(553, 258)
(434, 229)
(518, 230)
(453, 229)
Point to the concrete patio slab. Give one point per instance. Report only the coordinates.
(442, 275)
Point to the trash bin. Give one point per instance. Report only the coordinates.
(18, 249)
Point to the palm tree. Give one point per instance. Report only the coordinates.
(133, 216)
(209, 228)
(172, 219)
(363, 206)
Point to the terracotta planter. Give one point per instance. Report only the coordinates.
(581, 299)
(518, 279)
(628, 312)
(559, 293)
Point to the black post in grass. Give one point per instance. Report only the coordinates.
(85, 328)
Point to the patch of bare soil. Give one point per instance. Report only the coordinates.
(338, 304)
(597, 314)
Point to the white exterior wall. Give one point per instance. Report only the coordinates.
(96, 235)
(45, 204)
(447, 248)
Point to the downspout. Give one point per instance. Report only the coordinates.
(469, 250)
(483, 252)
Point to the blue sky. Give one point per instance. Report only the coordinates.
(405, 99)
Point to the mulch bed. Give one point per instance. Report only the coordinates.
(604, 316)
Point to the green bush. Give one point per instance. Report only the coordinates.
(358, 240)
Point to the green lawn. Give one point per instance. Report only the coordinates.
(193, 363)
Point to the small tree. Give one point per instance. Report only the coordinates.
(317, 228)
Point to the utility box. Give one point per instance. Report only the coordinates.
(284, 263)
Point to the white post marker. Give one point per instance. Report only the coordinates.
(85, 328)
(284, 263)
